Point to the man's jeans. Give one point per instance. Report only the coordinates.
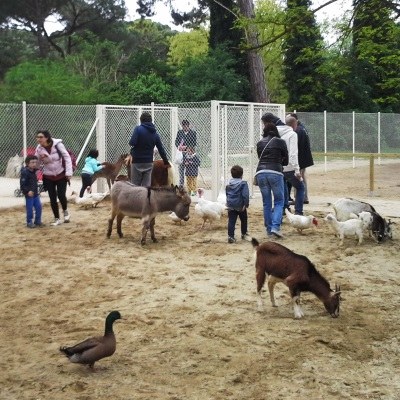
(299, 186)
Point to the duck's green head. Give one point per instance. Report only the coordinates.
(113, 316)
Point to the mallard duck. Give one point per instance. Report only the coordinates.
(94, 349)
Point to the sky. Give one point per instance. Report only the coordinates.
(162, 14)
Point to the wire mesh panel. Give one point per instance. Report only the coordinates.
(11, 137)
(227, 132)
(69, 123)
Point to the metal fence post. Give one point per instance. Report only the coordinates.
(24, 140)
(215, 136)
(371, 175)
(101, 140)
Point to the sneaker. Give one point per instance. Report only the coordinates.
(306, 202)
(40, 225)
(31, 225)
(247, 237)
(277, 234)
(66, 216)
(231, 240)
(56, 222)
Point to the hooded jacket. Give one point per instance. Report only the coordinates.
(143, 140)
(237, 194)
(290, 137)
(29, 181)
(52, 162)
(91, 166)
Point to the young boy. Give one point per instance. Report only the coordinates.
(237, 202)
(192, 163)
(29, 187)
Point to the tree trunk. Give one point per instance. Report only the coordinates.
(256, 65)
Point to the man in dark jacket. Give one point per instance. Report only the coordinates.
(144, 139)
(305, 155)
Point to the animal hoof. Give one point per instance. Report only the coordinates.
(142, 242)
(154, 240)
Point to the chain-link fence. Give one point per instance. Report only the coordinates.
(226, 132)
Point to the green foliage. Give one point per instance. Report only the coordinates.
(16, 46)
(186, 45)
(146, 89)
(376, 53)
(147, 46)
(43, 82)
(303, 57)
(269, 19)
(211, 76)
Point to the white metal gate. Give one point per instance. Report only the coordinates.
(226, 134)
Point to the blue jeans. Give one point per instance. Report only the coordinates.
(299, 186)
(33, 203)
(272, 184)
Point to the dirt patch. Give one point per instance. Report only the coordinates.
(191, 328)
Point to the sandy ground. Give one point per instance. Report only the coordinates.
(191, 328)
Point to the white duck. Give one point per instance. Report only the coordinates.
(84, 202)
(98, 197)
(208, 210)
(301, 222)
(89, 200)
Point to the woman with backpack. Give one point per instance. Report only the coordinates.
(57, 172)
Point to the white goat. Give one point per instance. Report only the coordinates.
(366, 218)
(351, 227)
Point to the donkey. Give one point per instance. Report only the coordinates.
(110, 171)
(137, 201)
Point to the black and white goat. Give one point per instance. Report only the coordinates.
(297, 272)
(347, 208)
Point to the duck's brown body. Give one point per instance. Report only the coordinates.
(94, 349)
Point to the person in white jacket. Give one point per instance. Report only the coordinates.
(291, 171)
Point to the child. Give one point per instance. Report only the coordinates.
(237, 202)
(192, 163)
(29, 187)
(91, 166)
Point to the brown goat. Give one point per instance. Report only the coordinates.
(296, 272)
(110, 171)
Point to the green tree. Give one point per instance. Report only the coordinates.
(146, 89)
(73, 15)
(186, 45)
(210, 76)
(147, 46)
(269, 19)
(303, 49)
(16, 46)
(43, 82)
(376, 53)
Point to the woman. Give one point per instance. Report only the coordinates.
(57, 172)
(273, 155)
(91, 166)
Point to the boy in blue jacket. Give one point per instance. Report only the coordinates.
(29, 187)
(237, 202)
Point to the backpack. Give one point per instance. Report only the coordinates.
(73, 158)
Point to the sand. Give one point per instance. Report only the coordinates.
(191, 327)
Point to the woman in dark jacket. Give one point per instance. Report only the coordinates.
(273, 155)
